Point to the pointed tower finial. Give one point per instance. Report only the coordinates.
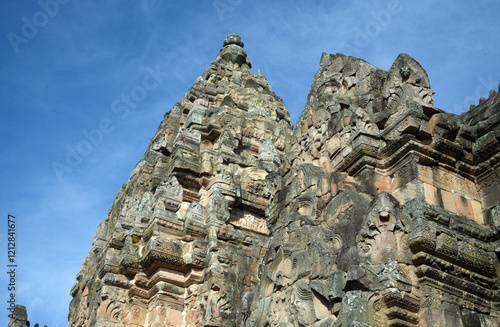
(233, 39)
(232, 51)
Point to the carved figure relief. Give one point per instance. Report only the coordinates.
(169, 194)
(269, 154)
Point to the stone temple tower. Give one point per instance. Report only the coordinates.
(378, 209)
(184, 238)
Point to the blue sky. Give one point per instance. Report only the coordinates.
(84, 85)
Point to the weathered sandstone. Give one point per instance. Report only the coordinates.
(378, 209)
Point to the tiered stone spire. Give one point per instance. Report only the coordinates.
(388, 211)
(184, 237)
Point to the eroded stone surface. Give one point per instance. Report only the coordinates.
(379, 209)
(19, 318)
(183, 240)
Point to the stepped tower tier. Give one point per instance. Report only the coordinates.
(184, 237)
(386, 213)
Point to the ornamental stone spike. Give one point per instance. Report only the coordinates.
(19, 317)
(232, 52)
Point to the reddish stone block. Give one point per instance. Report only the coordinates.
(174, 317)
(477, 210)
(464, 206)
(448, 201)
(383, 183)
